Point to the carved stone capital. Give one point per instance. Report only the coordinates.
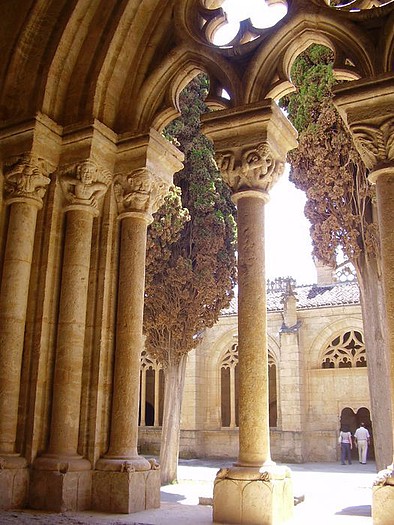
(251, 144)
(375, 142)
(366, 106)
(256, 169)
(84, 185)
(139, 193)
(26, 180)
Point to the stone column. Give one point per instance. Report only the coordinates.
(124, 481)
(83, 186)
(251, 143)
(25, 186)
(367, 107)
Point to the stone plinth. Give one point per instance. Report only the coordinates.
(253, 496)
(383, 505)
(14, 483)
(126, 492)
(60, 492)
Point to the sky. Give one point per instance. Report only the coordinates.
(288, 246)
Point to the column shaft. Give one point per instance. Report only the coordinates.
(129, 342)
(385, 200)
(71, 334)
(13, 305)
(254, 447)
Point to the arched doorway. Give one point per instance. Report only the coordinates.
(352, 421)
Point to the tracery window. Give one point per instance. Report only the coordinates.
(151, 391)
(229, 388)
(345, 351)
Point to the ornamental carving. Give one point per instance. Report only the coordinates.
(139, 191)
(25, 179)
(257, 169)
(374, 142)
(84, 184)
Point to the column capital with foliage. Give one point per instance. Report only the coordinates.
(366, 107)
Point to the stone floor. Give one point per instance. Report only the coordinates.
(333, 495)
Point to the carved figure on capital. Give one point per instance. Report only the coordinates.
(257, 168)
(84, 183)
(375, 142)
(25, 179)
(139, 191)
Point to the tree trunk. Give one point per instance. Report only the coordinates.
(378, 358)
(174, 376)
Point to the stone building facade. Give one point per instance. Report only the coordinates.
(318, 377)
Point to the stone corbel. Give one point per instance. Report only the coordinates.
(84, 185)
(26, 179)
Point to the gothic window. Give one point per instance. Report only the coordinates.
(345, 351)
(229, 388)
(151, 391)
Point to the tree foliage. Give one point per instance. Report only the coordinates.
(191, 269)
(191, 243)
(340, 208)
(326, 164)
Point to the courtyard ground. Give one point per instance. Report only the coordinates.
(333, 494)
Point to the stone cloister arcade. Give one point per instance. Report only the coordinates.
(86, 87)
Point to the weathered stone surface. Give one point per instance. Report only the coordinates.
(239, 500)
(14, 487)
(60, 492)
(126, 492)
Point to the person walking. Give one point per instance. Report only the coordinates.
(362, 439)
(346, 442)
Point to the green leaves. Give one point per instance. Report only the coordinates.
(191, 269)
(326, 164)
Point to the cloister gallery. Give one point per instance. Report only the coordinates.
(86, 88)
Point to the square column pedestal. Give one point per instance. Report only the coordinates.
(14, 483)
(126, 492)
(253, 496)
(383, 503)
(60, 491)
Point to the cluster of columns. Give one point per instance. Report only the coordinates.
(61, 478)
(366, 106)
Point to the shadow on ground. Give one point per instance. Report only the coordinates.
(360, 510)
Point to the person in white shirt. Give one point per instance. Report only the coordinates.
(362, 438)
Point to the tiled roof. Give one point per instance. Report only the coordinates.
(310, 296)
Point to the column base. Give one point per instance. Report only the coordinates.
(14, 482)
(60, 492)
(61, 483)
(127, 491)
(383, 498)
(253, 496)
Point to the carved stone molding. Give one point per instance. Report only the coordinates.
(26, 180)
(139, 192)
(256, 170)
(84, 184)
